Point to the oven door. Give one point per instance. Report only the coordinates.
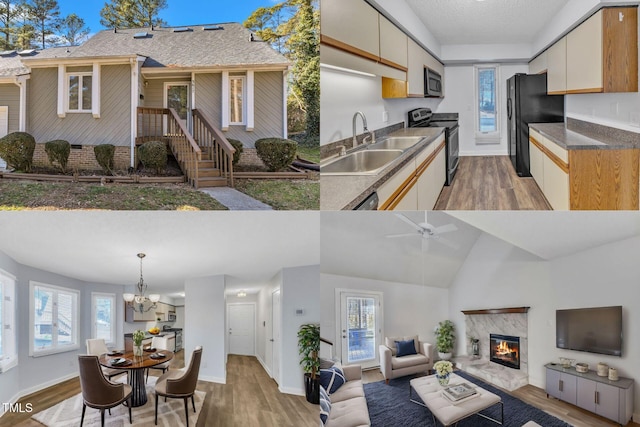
(453, 154)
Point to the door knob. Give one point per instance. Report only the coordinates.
(272, 340)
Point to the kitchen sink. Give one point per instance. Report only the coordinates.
(366, 162)
(396, 143)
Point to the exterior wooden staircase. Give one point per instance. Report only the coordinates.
(205, 156)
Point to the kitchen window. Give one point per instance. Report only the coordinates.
(54, 319)
(8, 353)
(487, 101)
(79, 90)
(236, 100)
(103, 313)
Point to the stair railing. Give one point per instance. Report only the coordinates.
(213, 142)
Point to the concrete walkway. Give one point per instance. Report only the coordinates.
(235, 200)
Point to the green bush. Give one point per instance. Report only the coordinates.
(239, 149)
(276, 153)
(58, 151)
(153, 154)
(17, 150)
(105, 154)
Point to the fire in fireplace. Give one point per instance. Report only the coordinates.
(505, 350)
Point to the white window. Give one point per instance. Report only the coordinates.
(236, 100)
(103, 316)
(79, 92)
(54, 319)
(8, 350)
(487, 101)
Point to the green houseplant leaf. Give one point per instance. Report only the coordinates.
(309, 348)
(445, 336)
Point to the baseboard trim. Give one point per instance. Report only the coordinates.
(291, 390)
(31, 390)
(264, 366)
(212, 379)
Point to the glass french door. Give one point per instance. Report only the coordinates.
(176, 96)
(361, 328)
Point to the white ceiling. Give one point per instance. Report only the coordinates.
(455, 22)
(354, 245)
(248, 247)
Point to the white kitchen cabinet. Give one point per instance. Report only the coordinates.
(584, 56)
(557, 68)
(415, 73)
(556, 185)
(353, 24)
(536, 164)
(539, 64)
(548, 166)
(431, 173)
(393, 44)
(392, 194)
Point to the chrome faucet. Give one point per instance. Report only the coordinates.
(372, 135)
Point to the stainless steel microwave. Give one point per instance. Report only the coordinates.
(172, 317)
(432, 83)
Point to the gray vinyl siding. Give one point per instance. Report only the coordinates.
(154, 98)
(114, 125)
(10, 97)
(268, 115)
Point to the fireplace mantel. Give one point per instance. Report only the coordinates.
(498, 310)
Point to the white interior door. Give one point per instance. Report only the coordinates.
(276, 324)
(242, 324)
(360, 327)
(4, 128)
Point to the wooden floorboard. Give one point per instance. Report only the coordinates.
(537, 397)
(490, 183)
(250, 398)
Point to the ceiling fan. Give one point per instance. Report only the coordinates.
(427, 232)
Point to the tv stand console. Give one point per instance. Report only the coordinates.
(609, 399)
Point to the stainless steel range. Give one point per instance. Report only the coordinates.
(423, 117)
(178, 332)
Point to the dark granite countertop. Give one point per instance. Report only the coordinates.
(568, 139)
(345, 192)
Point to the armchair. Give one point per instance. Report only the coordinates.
(393, 366)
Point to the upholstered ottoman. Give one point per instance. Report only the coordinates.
(430, 392)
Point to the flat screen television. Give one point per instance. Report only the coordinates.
(594, 330)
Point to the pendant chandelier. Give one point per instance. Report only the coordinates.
(136, 302)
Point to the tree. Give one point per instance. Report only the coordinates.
(132, 13)
(8, 14)
(25, 37)
(45, 15)
(267, 23)
(73, 30)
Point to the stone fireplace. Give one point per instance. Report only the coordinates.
(505, 350)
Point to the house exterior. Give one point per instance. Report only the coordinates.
(117, 88)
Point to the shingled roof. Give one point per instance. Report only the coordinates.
(11, 65)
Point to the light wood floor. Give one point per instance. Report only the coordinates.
(538, 398)
(490, 183)
(250, 398)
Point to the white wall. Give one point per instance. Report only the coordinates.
(460, 93)
(471, 53)
(300, 291)
(205, 323)
(407, 309)
(263, 330)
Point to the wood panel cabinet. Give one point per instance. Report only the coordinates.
(557, 68)
(393, 88)
(393, 44)
(352, 25)
(539, 64)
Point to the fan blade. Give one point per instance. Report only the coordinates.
(408, 221)
(445, 229)
(447, 243)
(393, 236)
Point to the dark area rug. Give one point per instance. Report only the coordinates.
(389, 406)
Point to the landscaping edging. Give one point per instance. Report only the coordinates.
(275, 175)
(129, 179)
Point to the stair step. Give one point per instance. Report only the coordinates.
(212, 182)
(205, 156)
(205, 164)
(208, 172)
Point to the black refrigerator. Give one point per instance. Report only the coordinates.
(528, 102)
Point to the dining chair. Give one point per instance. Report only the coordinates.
(159, 343)
(180, 383)
(96, 347)
(97, 391)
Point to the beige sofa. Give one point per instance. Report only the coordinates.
(394, 367)
(348, 404)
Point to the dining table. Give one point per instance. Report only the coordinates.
(136, 365)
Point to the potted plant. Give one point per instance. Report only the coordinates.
(309, 349)
(138, 336)
(445, 338)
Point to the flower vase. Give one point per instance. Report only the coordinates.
(137, 350)
(443, 379)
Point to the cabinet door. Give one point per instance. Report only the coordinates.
(415, 74)
(390, 190)
(536, 165)
(352, 22)
(408, 201)
(556, 185)
(393, 44)
(608, 402)
(584, 56)
(569, 388)
(557, 67)
(586, 396)
(552, 386)
(431, 181)
(539, 64)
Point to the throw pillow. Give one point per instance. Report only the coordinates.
(405, 348)
(332, 379)
(326, 363)
(325, 405)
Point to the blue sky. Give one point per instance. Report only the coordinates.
(178, 12)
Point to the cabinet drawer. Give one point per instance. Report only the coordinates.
(392, 189)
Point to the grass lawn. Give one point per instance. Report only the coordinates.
(283, 194)
(23, 195)
(311, 153)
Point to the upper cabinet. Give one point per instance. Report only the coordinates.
(393, 44)
(418, 60)
(557, 68)
(600, 55)
(351, 25)
(539, 64)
